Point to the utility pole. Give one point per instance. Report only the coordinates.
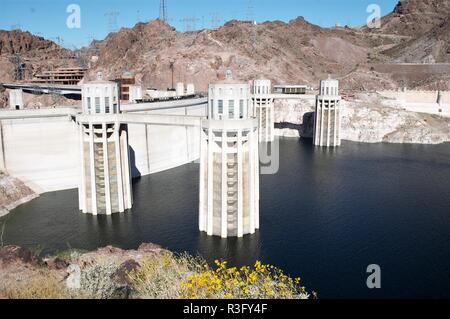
(172, 68)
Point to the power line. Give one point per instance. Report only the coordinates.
(251, 18)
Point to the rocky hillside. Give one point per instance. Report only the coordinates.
(284, 52)
(149, 272)
(417, 32)
(34, 53)
(367, 119)
(415, 17)
(433, 46)
(295, 52)
(13, 193)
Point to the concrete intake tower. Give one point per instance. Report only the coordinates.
(327, 122)
(105, 186)
(229, 163)
(264, 109)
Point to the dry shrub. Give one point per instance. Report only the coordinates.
(159, 277)
(38, 287)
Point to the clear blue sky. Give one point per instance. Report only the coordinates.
(47, 18)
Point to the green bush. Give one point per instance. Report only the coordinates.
(97, 282)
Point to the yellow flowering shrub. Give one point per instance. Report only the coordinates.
(257, 282)
(159, 277)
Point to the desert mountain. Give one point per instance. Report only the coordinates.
(415, 17)
(294, 52)
(36, 54)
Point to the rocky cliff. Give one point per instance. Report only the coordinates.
(13, 193)
(33, 53)
(369, 120)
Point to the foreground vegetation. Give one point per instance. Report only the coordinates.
(159, 276)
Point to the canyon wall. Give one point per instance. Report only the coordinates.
(367, 121)
(13, 193)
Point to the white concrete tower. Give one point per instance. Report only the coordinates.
(229, 163)
(327, 122)
(264, 109)
(105, 186)
(16, 99)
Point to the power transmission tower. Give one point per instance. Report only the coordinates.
(250, 11)
(19, 67)
(163, 11)
(189, 23)
(251, 18)
(112, 20)
(58, 40)
(16, 26)
(215, 20)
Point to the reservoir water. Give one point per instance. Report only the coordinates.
(325, 217)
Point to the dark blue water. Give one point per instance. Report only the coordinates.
(325, 216)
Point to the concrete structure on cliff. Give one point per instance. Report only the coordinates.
(229, 164)
(264, 109)
(105, 186)
(327, 122)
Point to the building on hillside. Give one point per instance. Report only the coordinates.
(125, 82)
(61, 76)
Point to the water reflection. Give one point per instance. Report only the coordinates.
(236, 251)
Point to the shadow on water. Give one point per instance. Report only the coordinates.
(236, 251)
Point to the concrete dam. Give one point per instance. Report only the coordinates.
(41, 147)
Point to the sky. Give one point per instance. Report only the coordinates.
(48, 18)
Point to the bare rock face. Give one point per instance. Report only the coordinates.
(13, 192)
(296, 52)
(367, 121)
(415, 17)
(36, 54)
(121, 274)
(119, 256)
(284, 52)
(16, 254)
